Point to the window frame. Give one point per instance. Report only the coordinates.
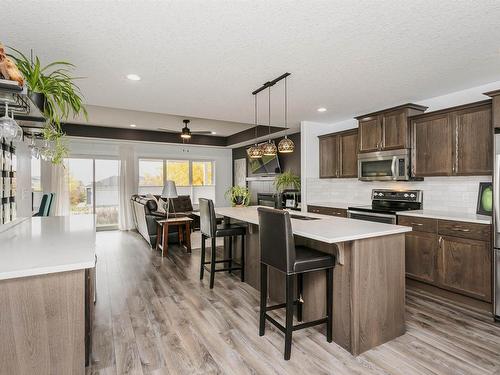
(190, 171)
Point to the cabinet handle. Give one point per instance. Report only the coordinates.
(417, 224)
(440, 241)
(458, 229)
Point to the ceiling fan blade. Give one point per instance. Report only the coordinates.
(201, 132)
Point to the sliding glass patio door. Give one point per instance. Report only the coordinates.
(94, 187)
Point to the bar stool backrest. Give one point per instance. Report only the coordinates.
(277, 246)
(50, 201)
(208, 221)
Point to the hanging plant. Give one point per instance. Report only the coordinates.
(53, 89)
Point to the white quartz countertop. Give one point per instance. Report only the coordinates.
(43, 245)
(328, 229)
(448, 215)
(343, 205)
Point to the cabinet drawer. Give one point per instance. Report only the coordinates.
(419, 224)
(327, 211)
(481, 232)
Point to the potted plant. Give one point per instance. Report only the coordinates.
(239, 196)
(287, 180)
(53, 90)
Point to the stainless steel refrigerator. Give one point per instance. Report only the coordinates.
(496, 223)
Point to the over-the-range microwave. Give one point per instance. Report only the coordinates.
(393, 165)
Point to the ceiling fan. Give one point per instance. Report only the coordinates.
(186, 132)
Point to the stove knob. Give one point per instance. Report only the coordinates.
(380, 194)
(406, 195)
(412, 195)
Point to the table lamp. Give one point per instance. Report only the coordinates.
(169, 191)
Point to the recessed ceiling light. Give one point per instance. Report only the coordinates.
(133, 125)
(213, 133)
(133, 77)
(321, 109)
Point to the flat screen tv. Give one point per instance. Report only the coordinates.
(267, 165)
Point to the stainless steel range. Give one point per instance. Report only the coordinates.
(385, 205)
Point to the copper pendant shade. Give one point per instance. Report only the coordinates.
(269, 148)
(286, 145)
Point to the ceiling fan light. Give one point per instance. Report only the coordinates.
(269, 149)
(186, 133)
(254, 152)
(286, 145)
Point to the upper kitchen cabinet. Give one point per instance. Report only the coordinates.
(348, 142)
(456, 141)
(387, 129)
(328, 156)
(338, 154)
(495, 96)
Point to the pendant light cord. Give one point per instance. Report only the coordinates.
(269, 114)
(286, 106)
(255, 115)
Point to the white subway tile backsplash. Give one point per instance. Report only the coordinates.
(458, 194)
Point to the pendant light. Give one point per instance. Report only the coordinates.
(255, 152)
(286, 146)
(269, 148)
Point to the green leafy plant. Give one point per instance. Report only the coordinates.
(62, 96)
(287, 180)
(55, 90)
(238, 196)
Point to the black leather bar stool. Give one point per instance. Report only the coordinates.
(278, 250)
(210, 229)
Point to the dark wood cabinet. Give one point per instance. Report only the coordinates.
(395, 132)
(338, 154)
(450, 255)
(328, 156)
(465, 266)
(421, 255)
(370, 134)
(455, 141)
(473, 141)
(387, 129)
(432, 146)
(348, 154)
(332, 211)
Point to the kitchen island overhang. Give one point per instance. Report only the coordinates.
(369, 278)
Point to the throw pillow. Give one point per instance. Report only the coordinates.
(161, 206)
(151, 196)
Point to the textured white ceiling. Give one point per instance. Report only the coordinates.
(203, 58)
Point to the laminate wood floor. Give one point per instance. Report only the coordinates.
(154, 316)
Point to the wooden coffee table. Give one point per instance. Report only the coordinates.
(183, 224)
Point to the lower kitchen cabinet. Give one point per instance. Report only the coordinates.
(421, 255)
(454, 256)
(465, 266)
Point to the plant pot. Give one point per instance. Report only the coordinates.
(38, 99)
(239, 205)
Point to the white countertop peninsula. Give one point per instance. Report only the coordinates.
(327, 229)
(45, 245)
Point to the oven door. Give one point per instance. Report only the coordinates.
(384, 166)
(372, 216)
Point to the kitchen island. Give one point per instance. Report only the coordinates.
(369, 278)
(46, 294)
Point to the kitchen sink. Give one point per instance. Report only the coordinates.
(301, 217)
